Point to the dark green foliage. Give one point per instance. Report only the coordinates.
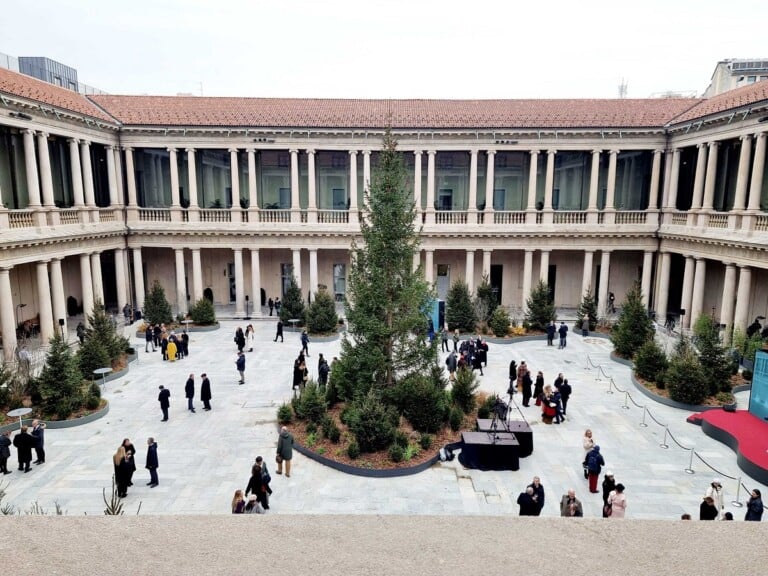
(540, 311)
(485, 300)
(500, 322)
(349, 415)
(421, 401)
(353, 450)
(203, 312)
(587, 311)
(321, 315)
(331, 430)
(157, 310)
(685, 378)
(353, 373)
(456, 418)
(425, 441)
(311, 427)
(463, 391)
(401, 438)
(714, 359)
(746, 374)
(92, 402)
(103, 328)
(374, 428)
(60, 384)
(396, 453)
(285, 414)
(94, 390)
(459, 311)
(91, 355)
(293, 304)
(634, 327)
(747, 347)
(650, 361)
(331, 392)
(311, 404)
(483, 412)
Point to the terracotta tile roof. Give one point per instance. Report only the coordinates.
(737, 98)
(330, 113)
(23, 86)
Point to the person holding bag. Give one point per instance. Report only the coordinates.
(284, 452)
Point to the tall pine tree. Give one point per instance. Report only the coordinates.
(157, 310)
(540, 311)
(634, 326)
(60, 384)
(293, 304)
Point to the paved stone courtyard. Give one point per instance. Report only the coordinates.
(206, 456)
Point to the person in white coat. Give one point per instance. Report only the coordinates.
(715, 491)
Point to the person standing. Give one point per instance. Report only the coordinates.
(305, 343)
(452, 364)
(205, 391)
(38, 433)
(527, 383)
(617, 500)
(595, 463)
(240, 339)
(149, 338)
(5, 451)
(565, 394)
(122, 466)
(570, 506)
(563, 332)
(184, 344)
(323, 370)
(265, 479)
(165, 401)
(527, 502)
(551, 329)
(240, 365)
(456, 340)
(278, 305)
(715, 491)
(444, 341)
(538, 494)
(608, 485)
(538, 388)
(256, 485)
(189, 392)
(588, 443)
(271, 304)
(284, 452)
(249, 337)
(279, 333)
(152, 462)
(238, 503)
(707, 509)
(754, 507)
(24, 443)
(130, 453)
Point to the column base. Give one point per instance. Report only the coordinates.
(312, 215)
(472, 216)
(609, 216)
(548, 216)
(592, 216)
(530, 217)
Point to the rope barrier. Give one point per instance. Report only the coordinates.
(635, 403)
(678, 443)
(654, 419)
(715, 470)
(664, 441)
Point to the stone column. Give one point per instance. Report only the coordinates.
(653, 195)
(234, 181)
(87, 285)
(253, 197)
(699, 280)
(197, 276)
(57, 293)
(297, 265)
(490, 181)
(174, 165)
(728, 300)
(544, 266)
(605, 275)
(673, 181)
(366, 170)
(181, 289)
(527, 276)
(7, 315)
(470, 270)
(256, 281)
(472, 202)
(30, 161)
(239, 284)
(77, 173)
(610, 195)
(46, 178)
(118, 171)
(662, 294)
(44, 302)
(98, 280)
(594, 180)
(311, 188)
(586, 276)
(85, 159)
(709, 185)
(192, 177)
(416, 260)
(417, 182)
(645, 281)
(698, 183)
(549, 181)
(742, 177)
(295, 206)
(687, 298)
(430, 208)
(533, 167)
(122, 291)
(130, 177)
(111, 176)
(758, 168)
(353, 209)
(429, 267)
(740, 319)
(487, 263)
(313, 288)
(138, 278)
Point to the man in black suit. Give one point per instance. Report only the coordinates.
(189, 392)
(205, 392)
(279, 331)
(165, 401)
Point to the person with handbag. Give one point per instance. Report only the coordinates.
(284, 452)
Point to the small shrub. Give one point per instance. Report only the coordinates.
(92, 402)
(312, 402)
(483, 412)
(349, 415)
(311, 428)
(411, 451)
(285, 414)
(353, 450)
(334, 434)
(724, 398)
(374, 428)
(746, 374)
(311, 436)
(650, 360)
(464, 387)
(421, 400)
(425, 441)
(499, 322)
(396, 453)
(203, 312)
(456, 418)
(401, 438)
(94, 390)
(686, 379)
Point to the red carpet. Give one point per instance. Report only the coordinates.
(746, 434)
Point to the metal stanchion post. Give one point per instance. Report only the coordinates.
(643, 424)
(626, 399)
(664, 442)
(738, 492)
(597, 374)
(690, 470)
(609, 391)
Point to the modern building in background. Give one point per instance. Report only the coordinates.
(228, 198)
(49, 71)
(735, 73)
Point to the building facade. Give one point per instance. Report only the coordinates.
(735, 73)
(228, 197)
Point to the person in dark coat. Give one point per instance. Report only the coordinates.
(305, 343)
(477, 362)
(205, 392)
(754, 506)
(452, 363)
(707, 509)
(528, 504)
(538, 494)
(284, 451)
(165, 401)
(5, 451)
(512, 378)
(152, 462)
(130, 452)
(271, 304)
(122, 465)
(24, 444)
(149, 338)
(164, 346)
(550, 333)
(557, 400)
(609, 484)
(157, 331)
(184, 350)
(563, 332)
(594, 462)
(240, 365)
(527, 383)
(538, 389)
(38, 433)
(240, 339)
(565, 394)
(256, 486)
(279, 333)
(189, 392)
(80, 331)
(323, 370)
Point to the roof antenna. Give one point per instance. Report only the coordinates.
(623, 89)
(201, 87)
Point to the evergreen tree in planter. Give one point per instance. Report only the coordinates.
(485, 300)
(685, 379)
(60, 383)
(293, 304)
(102, 328)
(157, 310)
(321, 315)
(499, 322)
(717, 364)
(587, 312)
(540, 310)
(203, 312)
(634, 326)
(651, 362)
(459, 311)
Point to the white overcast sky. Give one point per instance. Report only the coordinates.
(389, 48)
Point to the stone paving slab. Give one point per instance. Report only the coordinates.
(205, 456)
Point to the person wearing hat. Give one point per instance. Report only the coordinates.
(253, 506)
(715, 491)
(608, 485)
(707, 509)
(618, 501)
(594, 463)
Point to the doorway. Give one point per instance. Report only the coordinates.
(443, 280)
(497, 274)
(551, 280)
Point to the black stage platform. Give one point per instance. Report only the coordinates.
(495, 450)
(520, 428)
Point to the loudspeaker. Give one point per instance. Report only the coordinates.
(62, 322)
(729, 407)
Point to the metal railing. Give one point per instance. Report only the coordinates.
(569, 217)
(451, 217)
(154, 214)
(631, 217)
(509, 217)
(332, 216)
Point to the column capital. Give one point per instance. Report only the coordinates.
(86, 143)
(352, 152)
(597, 151)
(249, 150)
(614, 151)
(714, 144)
(698, 258)
(310, 151)
(43, 134)
(729, 264)
(532, 152)
(366, 152)
(552, 151)
(186, 149)
(126, 148)
(235, 150)
(745, 137)
(45, 261)
(487, 250)
(658, 151)
(76, 141)
(744, 266)
(29, 131)
(701, 145)
(109, 147)
(418, 152)
(431, 152)
(171, 149)
(60, 258)
(293, 151)
(490, 152)
(236, 250)
(312, 250)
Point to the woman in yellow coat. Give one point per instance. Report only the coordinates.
(172, 350)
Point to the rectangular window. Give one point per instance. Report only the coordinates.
(283, 160)
(286, 273)
(339, 282)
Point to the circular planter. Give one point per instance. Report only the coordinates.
(57, 424)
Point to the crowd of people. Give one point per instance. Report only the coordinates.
(173, 346)
(124, 461)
